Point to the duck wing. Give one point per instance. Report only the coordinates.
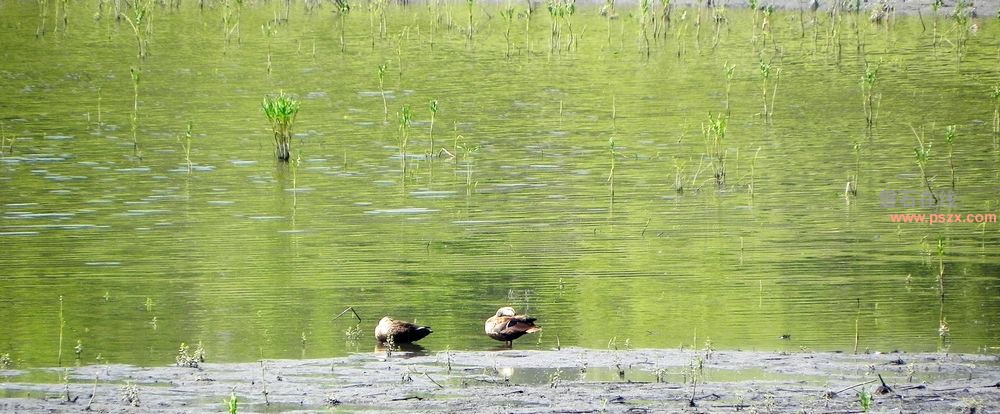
(519, 325)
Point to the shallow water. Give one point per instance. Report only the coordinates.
(253, 257)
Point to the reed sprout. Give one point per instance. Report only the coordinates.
(140, 12)
(608, 11)
(645, 16)
(936, 7)
(136, 74)
(730, 71)
(950, 132)
(467, 151)
(612, 152)
(434, 110)
(281, 111)
(995, 96)
(527, 26)
(381, 89)
(269, 32)
(231, 403)
(231, 19)
(715, 136)
(43, 16)
(186, 145)
(343, 9)
(752, 188)
(560, 11)
(923, 153)
(4, 146)
(507, 13)
(869, 83)
(852, 183)
(765, 74)
(472, 5)
(62, 325)
(404, 117)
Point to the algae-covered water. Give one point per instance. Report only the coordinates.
(573, 180)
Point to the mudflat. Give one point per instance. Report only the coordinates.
(515, 381)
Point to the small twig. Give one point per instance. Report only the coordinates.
(854, 386)
(349, 308)
(432, 380)
(92, 395)
(412, 397)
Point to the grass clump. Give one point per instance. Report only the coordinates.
(188, 358)
(281, 111)
(715, 137)
(231, 403)
(923, 154)
(871, 100)
(405, 116)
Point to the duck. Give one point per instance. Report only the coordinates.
(400, 332)
(507, 325)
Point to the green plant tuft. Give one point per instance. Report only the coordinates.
(281, 110)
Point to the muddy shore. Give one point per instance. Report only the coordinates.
(558, 381)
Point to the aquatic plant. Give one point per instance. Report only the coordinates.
(995, 95)
(231, 19)
(404, 117)
(466, 150)
(714, 133)
(99, 98)
(186, 145)
(752, 187)
(78, 349)
(136, 77)
(281, 111)
(400, 47)
(694, 374)
(6, 361)
(507, 13)
(923, 153)
(343, 9)
(269, 32)
(434, 110)
(381, 89)
(718, 19)
(43, 16)
(645, 15)
(852, 182)
(560, 11)
(730, 71)
(4, 146)
(62, 324)
(865, 399)
(130, 394)
(140, 12)
(232, 402)
(611, 173)
(765, 74)
(869, 82)
(472, 5)
(608, 11)
(527, 26)
(190, 358)
(936, 7)
(950, 132)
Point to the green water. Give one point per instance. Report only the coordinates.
(254, 257)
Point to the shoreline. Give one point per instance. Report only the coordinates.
(567, 380)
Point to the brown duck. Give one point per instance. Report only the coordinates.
(507, 325)
(401, 332)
